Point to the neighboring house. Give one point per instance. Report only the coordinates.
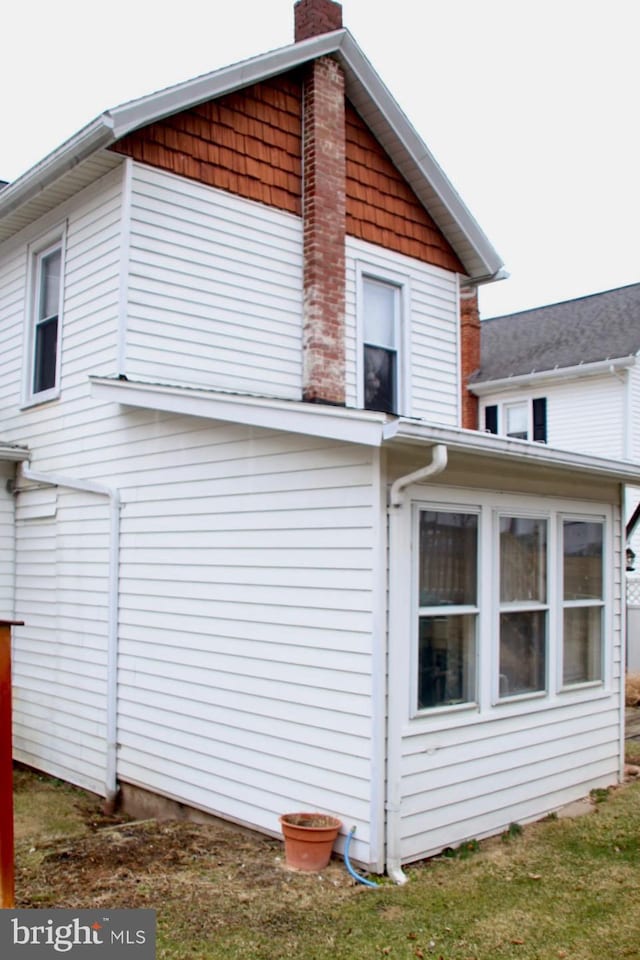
(568, 375)
(263, 562)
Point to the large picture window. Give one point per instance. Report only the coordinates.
(448, 608)
(45, 322)
(523, 605)
(583, 601)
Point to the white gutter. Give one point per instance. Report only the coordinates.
(484, 387)
(397, 673)
(88, 486)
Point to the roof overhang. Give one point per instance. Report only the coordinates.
(73, 164)
(539, 377)
(365, 427)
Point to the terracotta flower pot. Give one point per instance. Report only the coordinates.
(309, 839)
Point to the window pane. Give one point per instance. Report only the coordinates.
(583, 552)
(523, 559)
(582, 645)
(44, 369)
(380, 300)
(379, 379)
(49, 296)
(517, 421)
(522, 652)
(446, 661)
(448, 558)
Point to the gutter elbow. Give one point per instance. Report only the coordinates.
(438, 463)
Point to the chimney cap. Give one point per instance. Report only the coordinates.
(312, 18)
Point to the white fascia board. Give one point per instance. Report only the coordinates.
(484, 387)
(317, 420)
(155, 106)
(537, 455)
(10, 452)
(455, 214)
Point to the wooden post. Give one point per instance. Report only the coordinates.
(7, 893)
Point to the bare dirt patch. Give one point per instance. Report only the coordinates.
(216, 874)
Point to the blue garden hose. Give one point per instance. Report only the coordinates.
(356, 876)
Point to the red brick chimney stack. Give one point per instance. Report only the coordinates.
(313, 17)
(323, 211)
(469, 352)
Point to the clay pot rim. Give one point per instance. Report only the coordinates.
(311, 821)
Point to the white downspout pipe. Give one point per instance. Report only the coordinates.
(56, 480)
(399, 564)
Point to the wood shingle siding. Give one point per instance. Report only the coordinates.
(382, 208)
(248, 143)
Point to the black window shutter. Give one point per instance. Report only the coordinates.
(491, 419)
(540, 419)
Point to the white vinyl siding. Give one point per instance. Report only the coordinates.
(89, 335)
(246, 620)
(215, 289)
(430, 372)
(59, 666)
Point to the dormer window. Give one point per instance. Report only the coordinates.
(381, 334)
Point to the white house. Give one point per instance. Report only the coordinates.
(263, 561)
(568, 374)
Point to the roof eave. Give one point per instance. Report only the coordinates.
(482, 388)
(364, 87)
(535, 455)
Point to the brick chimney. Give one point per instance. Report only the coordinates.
(469, 352)
(313, 17)
(323, 211)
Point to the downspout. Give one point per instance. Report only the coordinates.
(397, 702)
(88, 486)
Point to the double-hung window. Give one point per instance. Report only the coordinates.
(45, 314)
(523, 605)
(448, 607)
(583, 601)
(381, 308)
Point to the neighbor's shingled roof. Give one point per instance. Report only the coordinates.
(603, 326)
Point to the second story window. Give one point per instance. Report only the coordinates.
(522, 419)
(43, 362)
(381, 334)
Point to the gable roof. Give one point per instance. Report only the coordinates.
(601, 327)
(84, 157)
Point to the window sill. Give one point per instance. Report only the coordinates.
(40, 398)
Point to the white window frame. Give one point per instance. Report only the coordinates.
(489, 705)
(604, 604)
(369, 271)
(503, 413)
(500, 607)
(53, 240)
(419, 507)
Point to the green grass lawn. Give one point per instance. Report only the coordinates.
(556, 889)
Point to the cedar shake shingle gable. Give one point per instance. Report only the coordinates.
(603, 326)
